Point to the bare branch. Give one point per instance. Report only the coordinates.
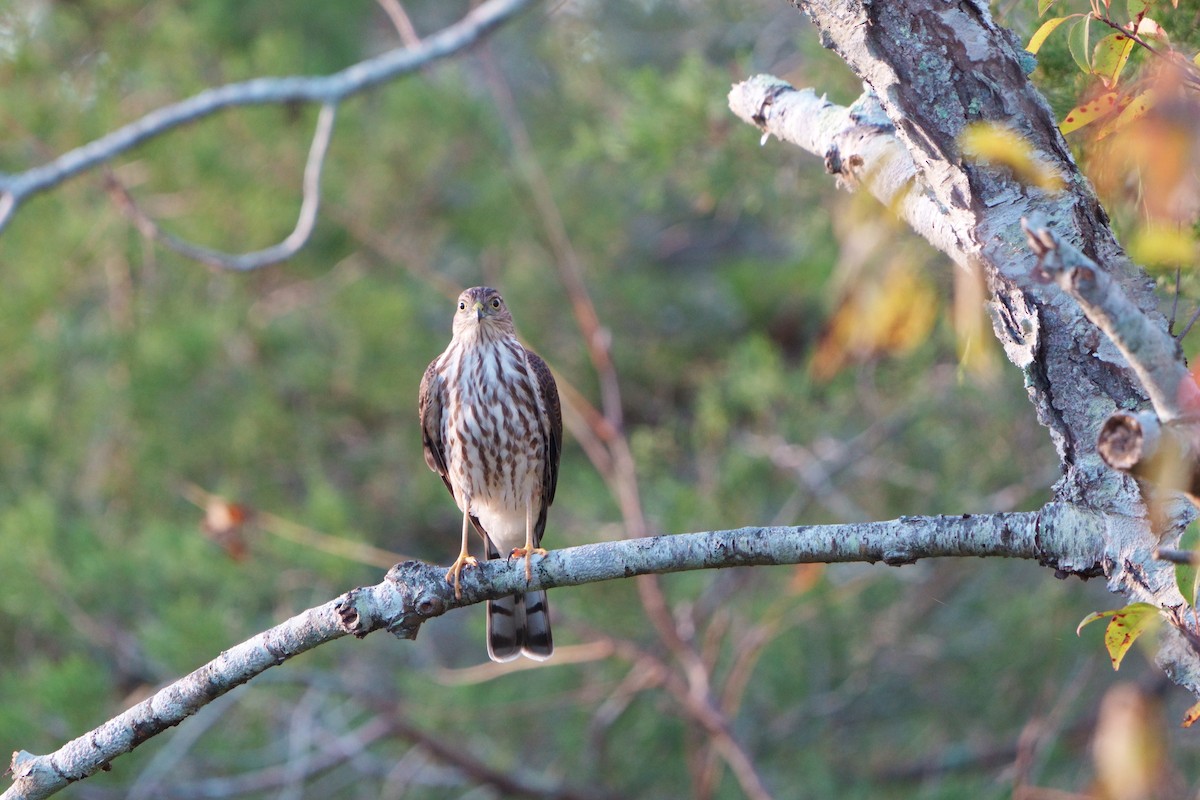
(414, 592)
(243, 262)
(327, 90)
(509, 782)
(1186, 557)
(858, 144)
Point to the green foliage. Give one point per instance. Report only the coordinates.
(129, 374)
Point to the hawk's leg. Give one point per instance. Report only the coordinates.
(529, 549)
(464, 557)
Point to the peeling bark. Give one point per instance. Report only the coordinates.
(931, 71)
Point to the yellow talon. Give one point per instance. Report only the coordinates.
(527, 553)
(456, 569)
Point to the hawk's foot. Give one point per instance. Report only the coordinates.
(527, 554)
(456, 569)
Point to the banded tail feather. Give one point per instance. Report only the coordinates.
(518, 625)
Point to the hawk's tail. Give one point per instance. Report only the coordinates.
(518, 625)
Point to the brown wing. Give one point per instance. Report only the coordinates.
(549, 392)
(431, 406)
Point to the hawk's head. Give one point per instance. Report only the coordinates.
(482, 312)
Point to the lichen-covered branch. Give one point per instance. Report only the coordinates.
(1059, 534)
(934, 70)
(1150, 350)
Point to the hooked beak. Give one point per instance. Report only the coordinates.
(478, 311)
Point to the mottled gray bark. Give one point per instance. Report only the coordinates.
(930, 70)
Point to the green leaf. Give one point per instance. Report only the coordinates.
(1137, 9)
(1044, 6)
(1039, 38)
(1186, 575)
(1126, 625)
(1078, 38)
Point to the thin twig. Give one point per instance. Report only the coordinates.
(401, 22)
(1174, 304)
(243, 262)
(507, 781)
(1191, 71)
(1187, 557)
(300, 534)
(570, 268)
(1188, 327)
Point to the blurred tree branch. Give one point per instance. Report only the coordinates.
(327, 90)
(413, 592)
(309, 205)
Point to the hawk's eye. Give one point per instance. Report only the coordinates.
(462, 305)
(495, 302)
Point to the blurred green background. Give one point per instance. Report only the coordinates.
(785, 353)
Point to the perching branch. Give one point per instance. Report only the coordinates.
(1059, 534)
(327, 90)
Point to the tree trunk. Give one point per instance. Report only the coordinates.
(930, 72)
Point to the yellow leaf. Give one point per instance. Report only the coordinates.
(1089, 112)
(1125, 626)
(892, 314)
(1110, 56)
(1191, 715)
(1163, 246)
(1039, 38)
(996, 144)
(1134, 110)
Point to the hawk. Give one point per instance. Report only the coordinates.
(492, 428)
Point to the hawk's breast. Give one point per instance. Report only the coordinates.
(495, 447)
